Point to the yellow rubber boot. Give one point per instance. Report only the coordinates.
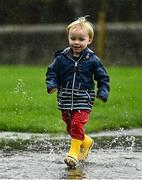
(86, 146)
(72, 156)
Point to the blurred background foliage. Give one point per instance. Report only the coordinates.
(55, 11)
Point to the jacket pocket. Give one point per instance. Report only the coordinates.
(59, 96)
(66, 86)
(89, 97)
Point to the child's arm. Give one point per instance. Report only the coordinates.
(102, 79)
(52, 77)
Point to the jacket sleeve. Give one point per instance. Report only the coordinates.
(52, 75)
(102, 78)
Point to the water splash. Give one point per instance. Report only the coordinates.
(19, 90)
(131, 142)
(19, 86)
(123, 140)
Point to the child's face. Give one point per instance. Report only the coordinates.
(78, 40)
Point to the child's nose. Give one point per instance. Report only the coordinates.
(76, 41)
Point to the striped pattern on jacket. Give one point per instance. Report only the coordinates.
(75, 99)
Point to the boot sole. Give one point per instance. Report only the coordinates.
(70, 161)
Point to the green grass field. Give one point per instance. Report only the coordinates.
(25, 105)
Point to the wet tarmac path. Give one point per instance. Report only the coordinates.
(41, 157)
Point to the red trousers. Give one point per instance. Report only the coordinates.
(75, 121)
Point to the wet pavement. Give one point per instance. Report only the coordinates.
(40, 156)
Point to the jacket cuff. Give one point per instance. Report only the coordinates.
(102, 96)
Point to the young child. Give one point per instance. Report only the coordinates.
(72, 74)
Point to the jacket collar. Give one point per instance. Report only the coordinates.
(86, 53)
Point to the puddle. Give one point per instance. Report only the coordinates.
(41, 157)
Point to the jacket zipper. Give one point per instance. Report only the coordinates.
(74, 76)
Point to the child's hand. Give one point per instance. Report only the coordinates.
(102, 98)
(52, 90)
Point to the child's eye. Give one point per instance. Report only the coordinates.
(73, 38)
(81, 39)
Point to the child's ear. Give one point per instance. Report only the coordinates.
(90, 41)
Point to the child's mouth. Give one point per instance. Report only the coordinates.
(76, 48)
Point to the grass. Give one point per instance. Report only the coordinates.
(25, 105)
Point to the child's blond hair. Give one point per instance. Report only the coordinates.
(83, 23)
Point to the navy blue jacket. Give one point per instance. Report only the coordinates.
(75, 79)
